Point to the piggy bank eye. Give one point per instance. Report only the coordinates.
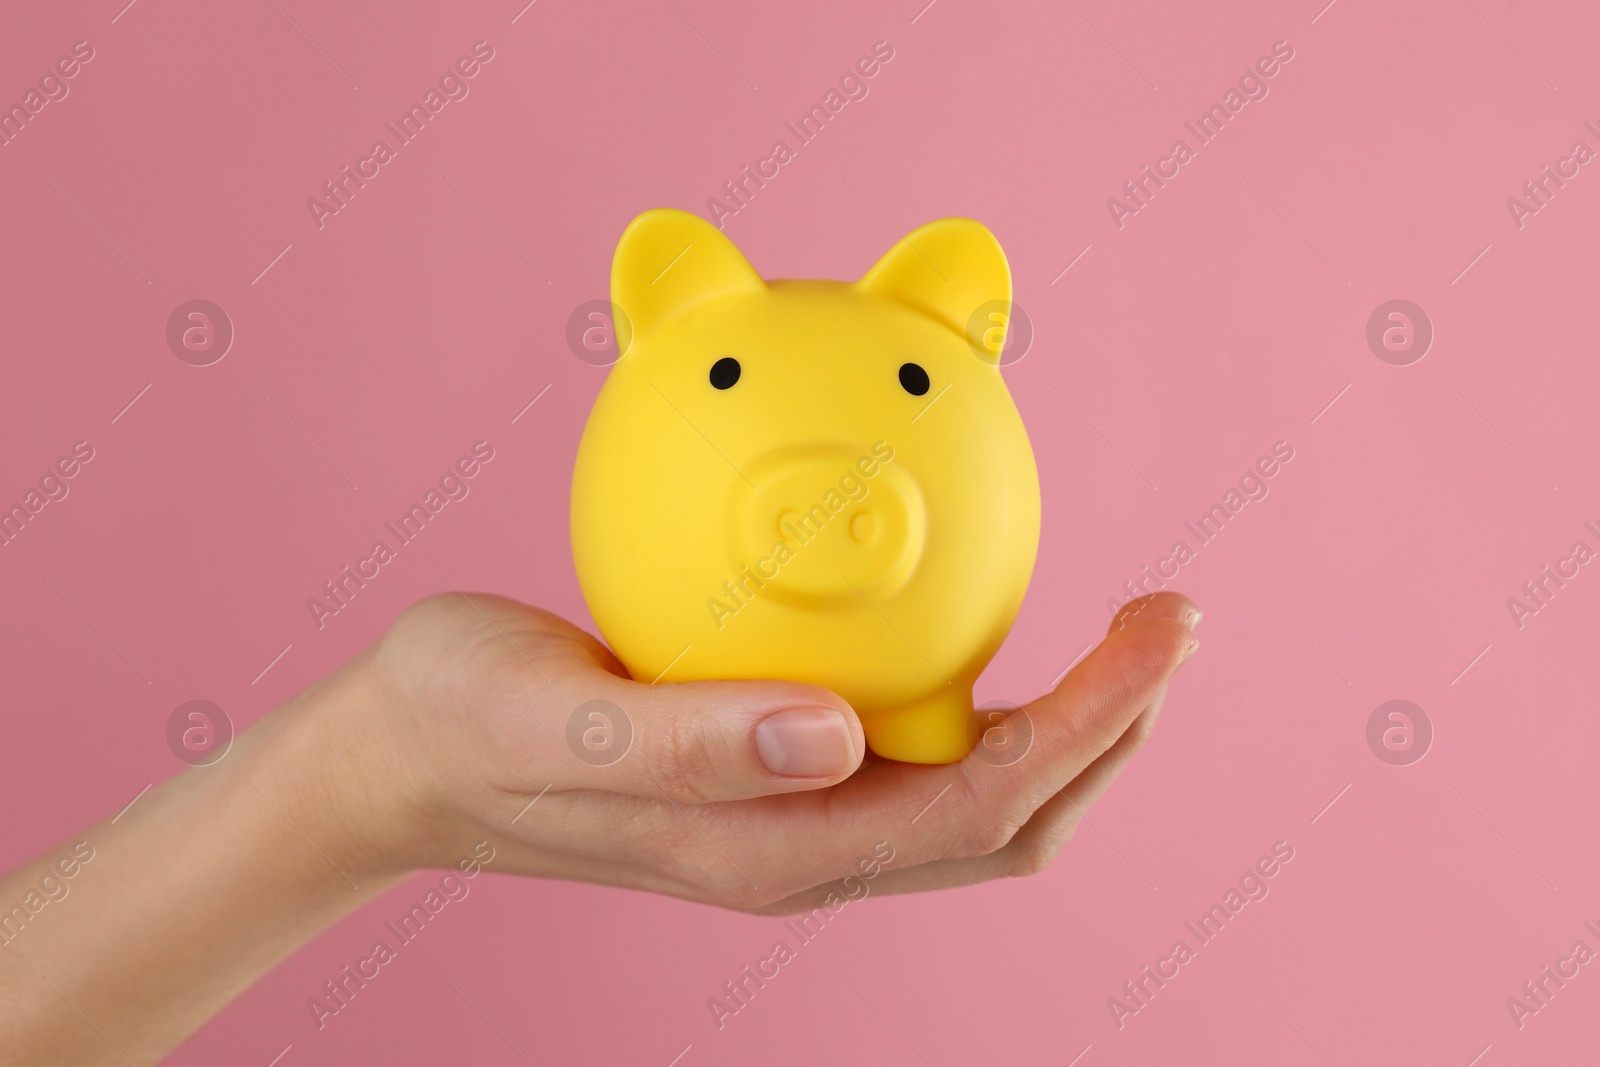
(725, 372)
(913, 379)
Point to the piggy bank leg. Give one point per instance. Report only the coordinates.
(938, 729)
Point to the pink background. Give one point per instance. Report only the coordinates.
(1225, 316)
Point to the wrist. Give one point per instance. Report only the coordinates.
(331, 761)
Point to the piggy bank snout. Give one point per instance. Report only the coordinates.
(824, 524)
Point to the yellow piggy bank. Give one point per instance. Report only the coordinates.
(816, 481)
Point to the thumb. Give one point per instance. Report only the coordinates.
(698, 742)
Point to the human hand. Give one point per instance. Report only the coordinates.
(745, 794)
(452, 731)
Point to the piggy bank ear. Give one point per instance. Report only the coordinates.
(668, 261)
(948, 270)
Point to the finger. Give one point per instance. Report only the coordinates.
(699, 742)
(1053, 824)
(1041, 839)
(1158, 605)
(1093, 707)
(1030, 850)
(573, 719)
(973, 809)
(927, 813)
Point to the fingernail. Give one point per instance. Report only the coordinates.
(1189, 648)
(806, 743)
(1193, 617)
